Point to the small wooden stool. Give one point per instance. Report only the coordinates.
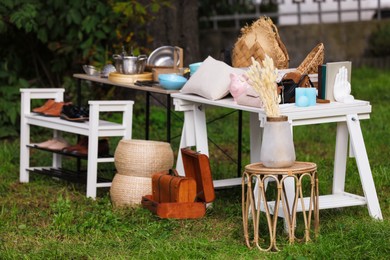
(253, 204)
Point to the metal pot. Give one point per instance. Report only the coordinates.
(130, 64)
(118, 62)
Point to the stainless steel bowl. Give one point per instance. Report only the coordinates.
(163, 57)
(91, 70)
(107, 69)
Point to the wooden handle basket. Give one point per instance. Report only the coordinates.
(310, 64)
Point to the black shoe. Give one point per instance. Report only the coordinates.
(74, 113)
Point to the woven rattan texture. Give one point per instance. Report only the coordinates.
(315, 58)
(257, 40)
(127, 191)
(142, 158)
(297, 168)
(255, 201)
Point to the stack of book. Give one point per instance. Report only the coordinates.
(327, 75)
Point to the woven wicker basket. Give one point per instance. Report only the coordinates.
(257, 40)
(127, 191)
(310, 64)
(142, 158)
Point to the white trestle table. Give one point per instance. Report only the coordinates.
(347, 117)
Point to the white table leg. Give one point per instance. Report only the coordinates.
(24, 138)
(194, 133)
(340, 158)
(127, 120)
(186, 139)
(92, 151)
(201, 130)
(255, 140)
(363, 165)
(256, 136)
(24, 150)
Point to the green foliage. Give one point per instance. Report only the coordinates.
(45, 42)
(10, 105)
(379, 41)
(24, 17)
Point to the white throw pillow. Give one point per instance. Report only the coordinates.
(211, 80)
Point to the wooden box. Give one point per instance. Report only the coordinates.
(169, 187)
(196, 167)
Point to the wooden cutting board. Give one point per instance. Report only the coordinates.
(129, 79)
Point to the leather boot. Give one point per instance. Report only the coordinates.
(54, 110)
(45, 106)
(81, 145)
(103, 149)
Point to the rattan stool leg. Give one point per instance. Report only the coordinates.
(316, 206)
(272, 217)
(253, 206)
(308, 213)
(245, 206)
(289, 212)
(290, 196)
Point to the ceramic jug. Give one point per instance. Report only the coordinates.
(277, 148)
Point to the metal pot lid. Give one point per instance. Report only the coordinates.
(163, 57)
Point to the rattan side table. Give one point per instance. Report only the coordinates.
(254, 201)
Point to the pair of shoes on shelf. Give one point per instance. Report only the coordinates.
(44, 107)
(54, 110)
(55, 144)
(74, 113)
(50, 108)
(81, 144)
(81, 148)
(103, 149)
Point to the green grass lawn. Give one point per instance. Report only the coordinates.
(52, 219)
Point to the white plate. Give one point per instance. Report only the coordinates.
(163, 57)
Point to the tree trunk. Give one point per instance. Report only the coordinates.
(177, 25)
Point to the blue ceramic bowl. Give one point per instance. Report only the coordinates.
(171, 81)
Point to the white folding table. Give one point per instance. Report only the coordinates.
(347, 117)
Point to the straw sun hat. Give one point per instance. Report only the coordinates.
(257, 40)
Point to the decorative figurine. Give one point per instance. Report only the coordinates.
(342, 87)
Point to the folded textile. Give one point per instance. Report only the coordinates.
(211, 80)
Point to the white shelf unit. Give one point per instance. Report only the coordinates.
(93, 129)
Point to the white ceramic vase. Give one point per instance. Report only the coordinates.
(277, 148)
